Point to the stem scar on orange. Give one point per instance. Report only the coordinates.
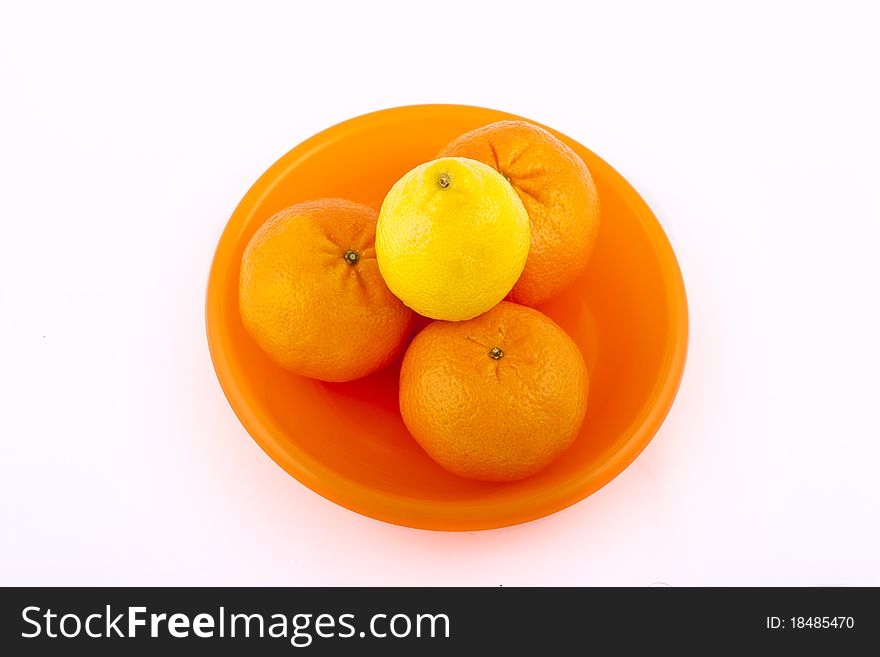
(497, 397)
(311, 295)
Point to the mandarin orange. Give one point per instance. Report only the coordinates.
(497, 397)
(558, 192)
(311, 295)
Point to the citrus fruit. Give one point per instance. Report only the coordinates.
(558, 192)
(452, 238)
(311, 296)
(497, 397)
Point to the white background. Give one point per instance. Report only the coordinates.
(127, 137)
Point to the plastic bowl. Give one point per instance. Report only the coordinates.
(347, 441)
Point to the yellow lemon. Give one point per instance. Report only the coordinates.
(452, 238)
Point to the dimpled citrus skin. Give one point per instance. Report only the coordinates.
(310, 309)
(452, 238)
(496, 420)
(558, 192)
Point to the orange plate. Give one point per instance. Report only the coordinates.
(347, 441)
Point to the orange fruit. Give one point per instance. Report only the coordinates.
(311, 296)
(497, 397)
(558, 192)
